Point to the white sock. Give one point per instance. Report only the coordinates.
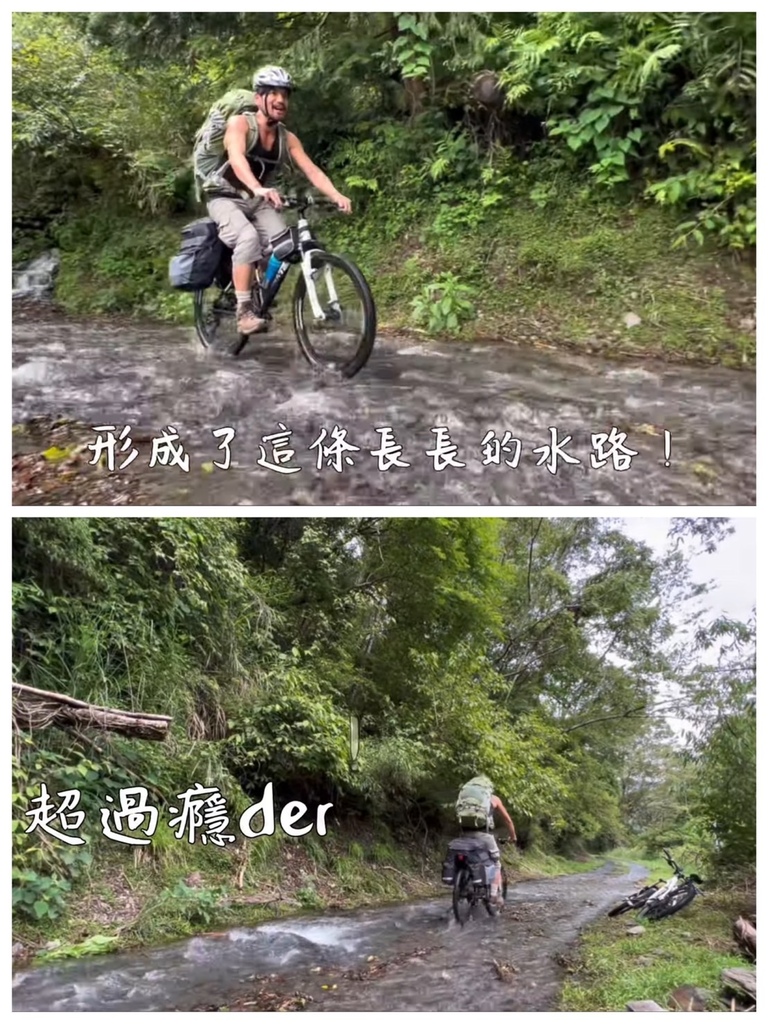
(243, 298)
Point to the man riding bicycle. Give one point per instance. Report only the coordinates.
(238, 197)
(475, 809)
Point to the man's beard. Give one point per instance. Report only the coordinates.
(273, 117)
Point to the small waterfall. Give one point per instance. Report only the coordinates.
(36, 278)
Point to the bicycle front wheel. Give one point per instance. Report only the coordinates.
(634, 901)
(335, 316)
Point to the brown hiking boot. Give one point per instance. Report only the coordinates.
(248, 322)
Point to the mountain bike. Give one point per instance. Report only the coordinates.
(323, 298)
(470, 880)
(663, 899)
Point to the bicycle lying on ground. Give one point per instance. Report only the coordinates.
(663, 899)
(320, 302)
(466, 868)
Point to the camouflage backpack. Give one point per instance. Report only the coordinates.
(474, 809)
(209, 158)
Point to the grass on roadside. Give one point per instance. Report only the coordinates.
(657, 866)
(691, 948)
(538, 864)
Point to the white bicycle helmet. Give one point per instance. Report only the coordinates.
(272, 77)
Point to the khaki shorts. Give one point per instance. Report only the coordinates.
(246, 226)
(485, 839)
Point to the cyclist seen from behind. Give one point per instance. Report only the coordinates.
(235, 182)
(475, 809)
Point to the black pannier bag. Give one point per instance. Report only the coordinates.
(195, 265)
(478, 860)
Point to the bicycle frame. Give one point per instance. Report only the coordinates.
(306, 246)
(294, 244)
(678, 879)
(665, 890)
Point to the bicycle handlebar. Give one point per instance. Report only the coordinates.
(504, 840)
(302, 202)
(672, 862)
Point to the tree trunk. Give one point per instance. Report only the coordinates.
(40, 709)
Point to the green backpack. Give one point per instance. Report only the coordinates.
(474, 809)
(208, 156)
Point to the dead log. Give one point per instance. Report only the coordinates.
(40, 709)
(746, 936)
(690, 999)
(741, 980)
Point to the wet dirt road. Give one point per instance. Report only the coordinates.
(413, 957)
(152, 377)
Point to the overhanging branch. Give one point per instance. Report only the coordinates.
(608, 718)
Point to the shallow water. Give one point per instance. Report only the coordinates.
(153, 377)
(454, 971)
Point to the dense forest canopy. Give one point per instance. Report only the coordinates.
(554, 654)
(402, 106)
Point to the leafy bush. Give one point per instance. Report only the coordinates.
(297, 740)
(197, 906)
(637, 96)
(444, 306)
(39, 896)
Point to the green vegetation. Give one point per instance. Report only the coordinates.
(531, 649)
(657, 866)
(536, 176)
(536, 863)
(691, 948)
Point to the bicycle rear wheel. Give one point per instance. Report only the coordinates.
(621, 908)
(214, 314)
(215, 310)
(462, 905)
(676, 901)
(343, 339)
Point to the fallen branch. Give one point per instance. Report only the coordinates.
(504, 971)
(746, 936)
(40, 709)
(261, 901)
(741, 979)
(377, 967)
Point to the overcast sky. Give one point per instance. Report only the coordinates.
(731, 569)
